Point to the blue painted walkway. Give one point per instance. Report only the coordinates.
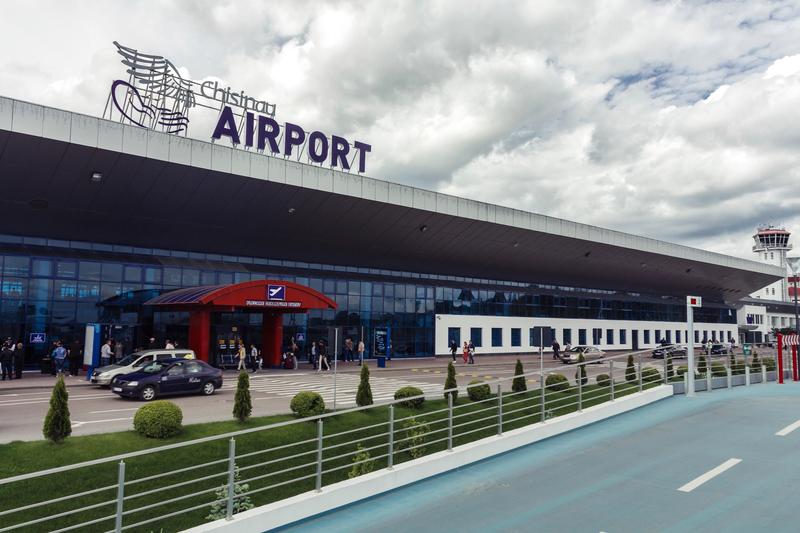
(620, 475)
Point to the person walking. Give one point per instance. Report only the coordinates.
(453, 349)
(556, 349)
(361, 348)
(152, 344)
(323, 356)
(6, 360)
(105, 353)
(241, 355)
(253, 359)
(59, 355)
(465, 352)
(119, 351)
(169, 345)
(295, 349)
(471, 350)
(75, 357)
(312, 355)
(19, 360)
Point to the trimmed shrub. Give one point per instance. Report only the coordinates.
(477, 390)
(407, 392)
(57, 425)
(670, 368)
(651, 375)
(681, 370)
(158, 420)
(450, 382)
(630, 370)
(219, 509)
(603, 380)
(738, 367)
(519, 384)
(414, 440)
(702, 366)
(242, 403)
(307, 403)
(580, 373)
(362, 464)
(364, 394)
(556, 382)
(770, 364)
(755, 362)
(718, 370)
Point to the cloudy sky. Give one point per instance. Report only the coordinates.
(674, 120)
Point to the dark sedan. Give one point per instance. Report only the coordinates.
(164, 378)
(673, 351)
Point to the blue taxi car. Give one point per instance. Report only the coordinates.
(168, 377)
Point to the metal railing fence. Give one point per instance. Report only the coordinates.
(179, 485)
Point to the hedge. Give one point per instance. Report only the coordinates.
(407, 392)
(158, 420)
(307, 403)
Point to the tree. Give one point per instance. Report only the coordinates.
(670, 370)
(519, 385)
(362, 464)
(732, 362)
(219, 509)
(702, 368)
(364, 394)
(57, 425)
(580, 373)
(450, 382)
(755, 362)
(630, 370)
(242, 403)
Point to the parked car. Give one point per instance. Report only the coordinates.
(168, 377)
(590, 354)
(719, 349)
(102, 376)
(674, 351)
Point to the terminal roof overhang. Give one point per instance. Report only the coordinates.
(171, 192)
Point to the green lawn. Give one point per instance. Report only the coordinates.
(278, 459)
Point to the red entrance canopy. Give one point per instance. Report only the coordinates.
(271, 297)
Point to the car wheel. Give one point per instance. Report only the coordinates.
(148, 393)
(208, 388)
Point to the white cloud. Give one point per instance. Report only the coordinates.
(677, 120)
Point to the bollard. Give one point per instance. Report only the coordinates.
(747, 376)
(120, 496)
(499, 410)
(728, 372)
(391, 437)
(449, 422)
(541, 396)
(319, 456)
(611, 374)
(231, 477)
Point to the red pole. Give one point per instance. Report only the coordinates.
(780, 358)
(795, 377)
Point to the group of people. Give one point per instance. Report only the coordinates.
(319, 359)
(248, 359)
(66, 359)
(12, 358)
(467, 351)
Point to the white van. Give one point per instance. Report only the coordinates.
(102, 376)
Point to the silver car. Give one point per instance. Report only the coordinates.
(136, 361)
(591, 354)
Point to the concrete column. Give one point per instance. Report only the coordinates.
(272, 338)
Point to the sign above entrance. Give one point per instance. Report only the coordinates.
(276, 292)
(157, 96)
(268, 303)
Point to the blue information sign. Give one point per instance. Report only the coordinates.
(37, 338)
(381, 342)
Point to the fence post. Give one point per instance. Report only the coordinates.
(709, 382)
(666, 378)
(729, 372)
(120, 496)
(747, 376)
(319, 455)
(580, 390)
(640, 372)
(449, 422)
(231, 477)
(541, 395)
(686, 382)
(499, 410)
(611, 374)
(763, 374)
(391, 437)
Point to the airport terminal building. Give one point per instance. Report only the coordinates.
(101, 218)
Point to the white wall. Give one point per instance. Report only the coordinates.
(486, 323)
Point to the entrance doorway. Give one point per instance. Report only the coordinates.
(635, 339)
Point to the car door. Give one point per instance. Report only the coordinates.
(174, 379)
(195, 374)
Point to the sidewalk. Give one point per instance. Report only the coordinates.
(37, 380)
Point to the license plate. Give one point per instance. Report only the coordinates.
(117, 389)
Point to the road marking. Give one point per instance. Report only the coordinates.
(77, 424)
(788, 429)
(113, 410)
(714, 472)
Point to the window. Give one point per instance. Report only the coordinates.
(567, 334)
(668, 334)
(42, 267)
(88, 270)
(516, 337)
(454, 335)
(581, 336)
(696, 336)
(176, 369)
(193, 367)
(476, 336)
(647, 336)
(677, 336)
(133, 273)
(497, 336)
(112, 272)
(609, 336)
(658, 337)
(597, 334)
(623, 336)
(15, 266)
(66, 269)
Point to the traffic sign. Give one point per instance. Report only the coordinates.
(694, 301)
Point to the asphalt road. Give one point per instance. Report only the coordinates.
(96, 410)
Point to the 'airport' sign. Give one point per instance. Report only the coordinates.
(276, 292)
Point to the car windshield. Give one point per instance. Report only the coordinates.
(154, 368)
(125, 361)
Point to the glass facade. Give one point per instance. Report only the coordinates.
(57, 287)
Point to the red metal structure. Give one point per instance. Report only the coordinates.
(270, 297)
(789, 340)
